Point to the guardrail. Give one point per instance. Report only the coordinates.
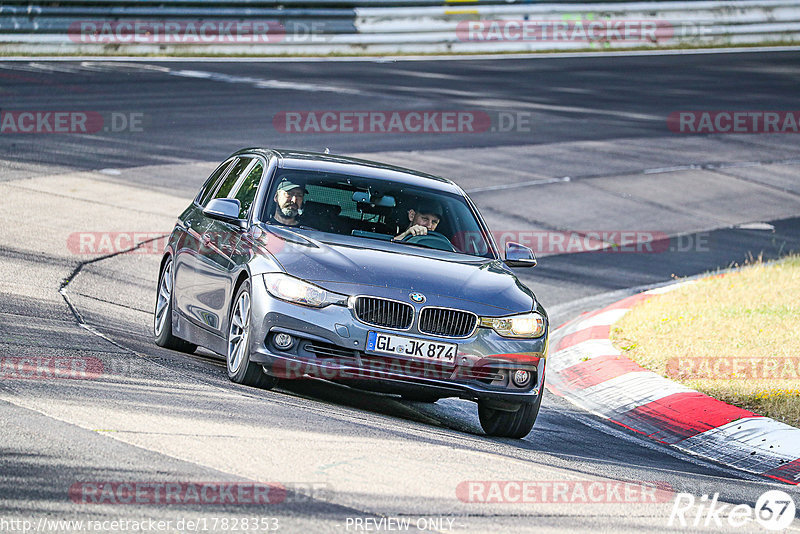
(285, 27)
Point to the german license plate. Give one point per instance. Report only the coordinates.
(419, 349)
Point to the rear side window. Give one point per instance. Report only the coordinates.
(247, 189)
(212, 183)
(227, 185)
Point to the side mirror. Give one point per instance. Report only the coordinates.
(519, 255)
(226, 210)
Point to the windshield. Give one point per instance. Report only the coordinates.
(375, 209)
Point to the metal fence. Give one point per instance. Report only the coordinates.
(385, 26)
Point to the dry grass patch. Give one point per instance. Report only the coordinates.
(735, 337)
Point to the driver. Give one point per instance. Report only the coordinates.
(425, 218)
(288, 203)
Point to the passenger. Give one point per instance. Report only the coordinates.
(425, 218)
(288, 203)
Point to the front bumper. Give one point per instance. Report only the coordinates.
(330, 343)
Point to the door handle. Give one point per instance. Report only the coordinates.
(206, 239)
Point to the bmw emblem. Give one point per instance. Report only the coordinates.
(419, 298)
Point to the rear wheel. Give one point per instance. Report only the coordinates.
(240, 369)
(162, 317)
(514, 424)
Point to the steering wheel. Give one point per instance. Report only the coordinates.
(431, 239)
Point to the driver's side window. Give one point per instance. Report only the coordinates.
(212, 183)
(246, 191)
(233, 176)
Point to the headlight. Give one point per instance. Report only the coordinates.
(527, 325)
(285, 287)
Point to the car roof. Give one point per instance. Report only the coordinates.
(299, 159)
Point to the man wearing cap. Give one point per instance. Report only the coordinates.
(425, 218)
(288, 203)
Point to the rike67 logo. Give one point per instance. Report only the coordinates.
(774, 511)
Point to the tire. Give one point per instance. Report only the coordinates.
(240, 369)
(162, 315)
(421, 397)
(509, 424)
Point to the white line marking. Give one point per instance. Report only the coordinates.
(715, 166)
(391, 59)
(660, 170)
(517, 185)
(262, 83)
(756, 226)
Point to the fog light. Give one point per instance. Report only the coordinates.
(520, 377)
(283, 341)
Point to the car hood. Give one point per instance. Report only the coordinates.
(380, 270)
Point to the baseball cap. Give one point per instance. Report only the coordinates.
(287, 185)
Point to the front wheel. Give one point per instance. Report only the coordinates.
(240, 369)
(509, 424)
(162, 316)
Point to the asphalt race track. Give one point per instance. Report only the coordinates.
(577, 144)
